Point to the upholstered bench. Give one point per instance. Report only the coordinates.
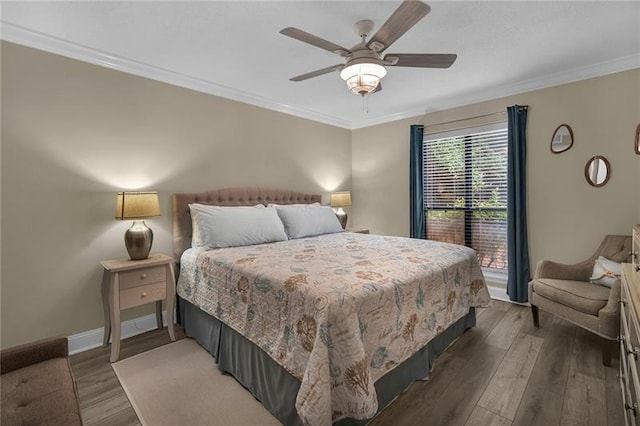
(37, 385)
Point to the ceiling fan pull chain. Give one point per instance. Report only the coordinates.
(365, 103)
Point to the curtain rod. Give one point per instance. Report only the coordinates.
(466, 119)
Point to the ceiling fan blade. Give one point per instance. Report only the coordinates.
(421, 60)
(405, 17)
(317, 73)
(315, 41)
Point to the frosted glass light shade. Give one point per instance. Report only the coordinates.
(363, 78)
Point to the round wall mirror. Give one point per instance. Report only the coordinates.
(637, 147)
(597, 171)
(562, 139)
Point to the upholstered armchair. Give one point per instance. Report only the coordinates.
(565, 291)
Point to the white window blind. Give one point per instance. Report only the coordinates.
(465, 190)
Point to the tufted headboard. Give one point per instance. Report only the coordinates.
(226, 197)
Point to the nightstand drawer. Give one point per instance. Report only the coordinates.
(143, 276)
(142, 294)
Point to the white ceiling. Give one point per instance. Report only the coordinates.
(233, 49)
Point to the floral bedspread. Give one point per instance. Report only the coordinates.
(337, 311)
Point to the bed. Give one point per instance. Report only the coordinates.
(327, 329)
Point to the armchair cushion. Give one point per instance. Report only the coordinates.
(579, 295)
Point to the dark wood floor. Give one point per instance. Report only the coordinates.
(502, 372)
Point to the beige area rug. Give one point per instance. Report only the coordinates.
(180, 384)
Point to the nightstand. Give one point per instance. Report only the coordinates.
(127, 283)
(357, 230)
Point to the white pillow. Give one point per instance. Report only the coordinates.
(197, 239)
(605, 272)
(218, 227)
(306, 221)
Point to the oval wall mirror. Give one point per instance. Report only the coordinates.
(637, 146)
(597, 171)
(562, 139)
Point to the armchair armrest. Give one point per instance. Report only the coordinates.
(613, 304)
(609, 316)
(578, 272)
(32, 353)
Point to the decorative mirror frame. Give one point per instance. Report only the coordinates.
(586, 171)
(553, 136)
(637, 145)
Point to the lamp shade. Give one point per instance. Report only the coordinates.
(137, 205)
(341, 199)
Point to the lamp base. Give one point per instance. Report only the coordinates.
(342, 217)
(138, 240)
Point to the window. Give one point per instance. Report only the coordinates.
(465, 190)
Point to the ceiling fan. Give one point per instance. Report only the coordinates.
(365, 65)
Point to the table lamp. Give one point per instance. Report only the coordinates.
(340, 200)
(137, 206)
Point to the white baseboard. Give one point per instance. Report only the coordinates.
(93, 338)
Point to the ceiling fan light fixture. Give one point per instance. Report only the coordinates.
(363, 78)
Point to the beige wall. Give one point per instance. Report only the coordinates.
(380, 194)
(567, 218)
(73, 134)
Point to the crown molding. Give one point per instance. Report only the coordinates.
(550, 80)
(37, 40)
(600, 69)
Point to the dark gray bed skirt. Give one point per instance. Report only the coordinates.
(276, 388)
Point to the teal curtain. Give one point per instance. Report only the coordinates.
(416, 192)
(517, 240)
